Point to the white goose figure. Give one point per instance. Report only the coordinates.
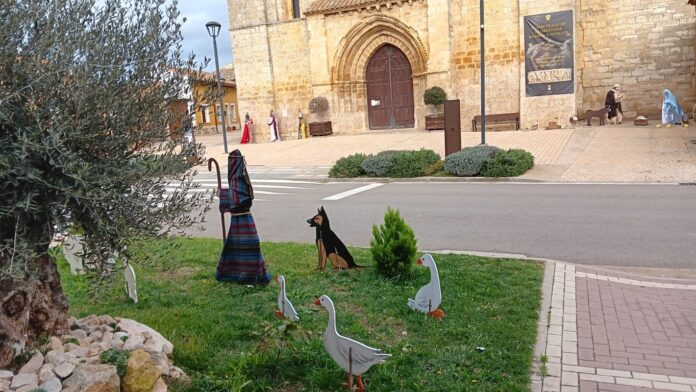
(285, 308)
(352, 356)
(428, 297)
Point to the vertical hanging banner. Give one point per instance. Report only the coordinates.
(549, 54)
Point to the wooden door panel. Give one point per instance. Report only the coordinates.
(389, 89)
(378, 97)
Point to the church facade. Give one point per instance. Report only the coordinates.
(373, 59)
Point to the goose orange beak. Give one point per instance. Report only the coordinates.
(317, 302)
(419, 261)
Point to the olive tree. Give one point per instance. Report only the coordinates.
(85, 142)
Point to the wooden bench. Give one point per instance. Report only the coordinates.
(503, 118)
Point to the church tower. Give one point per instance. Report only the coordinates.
(257, 42)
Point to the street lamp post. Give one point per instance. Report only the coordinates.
(483, 80)
(214, 30)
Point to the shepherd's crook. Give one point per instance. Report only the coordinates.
(222, 214)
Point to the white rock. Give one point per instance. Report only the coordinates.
(120, 336)
(104, 346)
(106, 319)
(56, 344)
(33, 365)
(52, 385)
(117, 344)
(176, 373)
(64, 370)
(71, 321)
(80, 352)
(46, 372)
(23, 379)
(70, 346)
(55, 357)
(134, 342)
(4, 385)
(160, 386)
(27, 388)
(108, 337)
(96, 335)
(162, 362)
(135, 328)
(6, 375)
(78, 334)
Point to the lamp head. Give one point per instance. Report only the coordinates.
(213, 28)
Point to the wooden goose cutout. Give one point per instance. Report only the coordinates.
(285, 308)
(352, 356)
(429, 297)
(131, 289)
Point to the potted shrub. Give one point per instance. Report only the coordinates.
(319, 106)
(435, 97)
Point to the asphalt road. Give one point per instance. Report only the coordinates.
(619, 225)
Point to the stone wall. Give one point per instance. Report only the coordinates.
(652, 48)
(502, 58)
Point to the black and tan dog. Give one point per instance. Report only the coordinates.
(329, 245)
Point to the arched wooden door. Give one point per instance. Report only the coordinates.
(389, 89)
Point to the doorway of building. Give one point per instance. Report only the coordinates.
(389, 89)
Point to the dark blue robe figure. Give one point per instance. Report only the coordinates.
(241, 260)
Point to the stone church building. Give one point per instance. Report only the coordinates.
(373, 59)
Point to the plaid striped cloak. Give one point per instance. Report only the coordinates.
(241, 260)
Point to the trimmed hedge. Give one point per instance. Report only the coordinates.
(400, 164)
(469, 161)
(510, 163)
(348, 167)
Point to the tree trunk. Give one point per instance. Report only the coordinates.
(30, 307)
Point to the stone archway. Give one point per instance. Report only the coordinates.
(363, 40)
(355, 50)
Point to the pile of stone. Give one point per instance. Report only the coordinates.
(72, 362)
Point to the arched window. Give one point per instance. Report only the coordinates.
(296, 9)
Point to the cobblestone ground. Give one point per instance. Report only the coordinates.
(324, 151)
(613, 153)
(609, 331)
(636, 154)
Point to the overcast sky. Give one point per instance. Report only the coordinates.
(196, 38)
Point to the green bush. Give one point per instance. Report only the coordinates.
(116, 357)
(348, 167)
(412, 163)
(469, 160)
(400, 164)
(510, 163)
(393, 246)
(434, 96)
(435, 168)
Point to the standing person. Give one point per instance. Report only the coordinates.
(273, 128)
(246, 133)
(618, 97)
(672, 113)
(301, 127)
(610, 103)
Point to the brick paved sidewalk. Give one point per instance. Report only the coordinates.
(610, 331)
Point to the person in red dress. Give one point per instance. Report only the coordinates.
(246, 133)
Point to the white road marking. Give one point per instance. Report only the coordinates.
(353, 191)
(268, 193)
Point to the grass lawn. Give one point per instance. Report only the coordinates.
(491, 303)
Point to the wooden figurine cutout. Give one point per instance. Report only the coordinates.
(329, 246)
(429, 297)
(352, 356)
(285, 308)
(131, 289)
